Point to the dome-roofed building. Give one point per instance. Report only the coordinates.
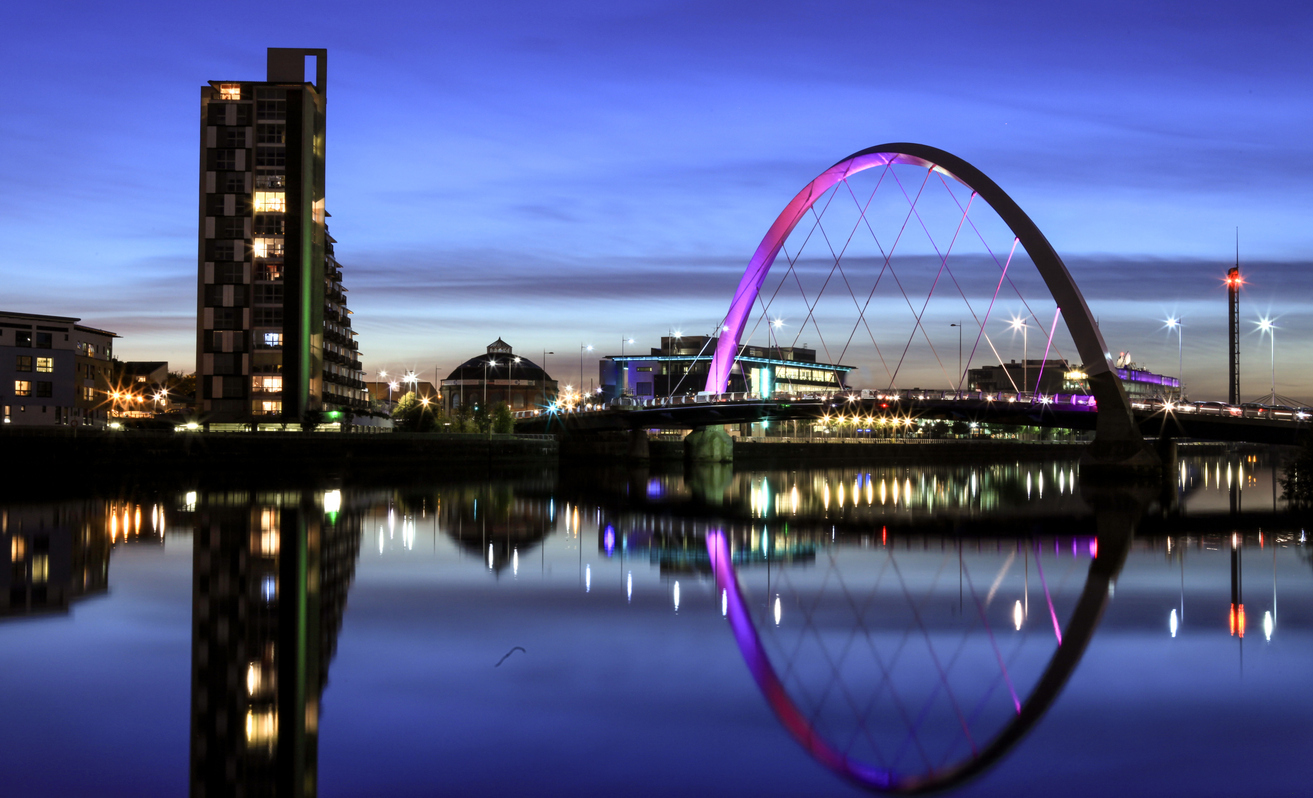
(517, 381)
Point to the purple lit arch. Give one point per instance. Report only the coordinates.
(1116, 437)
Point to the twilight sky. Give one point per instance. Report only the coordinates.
(577, 172)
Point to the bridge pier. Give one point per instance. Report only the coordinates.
(708, 445)
(639, 448)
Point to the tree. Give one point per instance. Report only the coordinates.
(1297, 477)
(413, 414)
(482, 421)
(311, 418)
(502, 420)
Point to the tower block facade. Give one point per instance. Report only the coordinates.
(274, 338)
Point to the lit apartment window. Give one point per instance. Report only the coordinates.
(273, 340)
(268, 247)
(267, 384)
(40, 568)
(18, 548)
(271, 408)
(261, 729)
(230, 91)
(22, 388)
(45, 365)
(269, 531)
(270, 201)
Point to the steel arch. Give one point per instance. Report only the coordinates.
(1116, 437)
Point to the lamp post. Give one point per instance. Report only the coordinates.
(544, 370)
(1173, 323)
(1266, 326)
(582, 348)
(411, 379)
(959, 357)
(1020, 324)
(486, 363)
(624, 364)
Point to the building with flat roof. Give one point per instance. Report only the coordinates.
(54, 371)
(681, 364)
(1059, 376)
(273, 332)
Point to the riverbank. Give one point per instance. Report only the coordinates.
(42, 460)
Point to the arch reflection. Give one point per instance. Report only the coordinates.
(962, 723)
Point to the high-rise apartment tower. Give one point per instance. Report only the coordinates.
(273, 335)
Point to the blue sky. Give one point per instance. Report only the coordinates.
(579, 172)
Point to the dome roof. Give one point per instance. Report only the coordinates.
(501, 364)
(506, 368)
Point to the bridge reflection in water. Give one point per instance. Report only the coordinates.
(906, 645)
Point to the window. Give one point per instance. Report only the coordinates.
(45, 365)
(87, 394)
(268, 294)
(270, 156)
(230, 227)
(225, 318)
(24, 363)
(266, 384)
(269, 224)
(234, 137)
(272, 408)
(269, 134)
(225, 250)
(44, 340)
(22, 338)
(225, 160)
(22, 388)
(271, 109)
(273, 340)
(230, 91)
(271, 181)
(268, 248)
(231, 183)
(45, 389)
(265, 317)
(40, 568)
(270, 201)
(228, 272)
(643, 368)
(270, 271)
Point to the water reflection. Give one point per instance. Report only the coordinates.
(271, 574)
(906, 626)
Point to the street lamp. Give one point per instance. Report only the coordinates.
(1265, 326)
(392, 386)
(582, 348)
(959, 355)
(486, 363)
(1020, 324)
(1173, 323)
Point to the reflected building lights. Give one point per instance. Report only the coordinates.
(777, 609)
(1172, 622)
(629, 586)
(1018, 615)
(676, 596)
(588, 578)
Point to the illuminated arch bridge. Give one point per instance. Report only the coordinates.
(913, 265)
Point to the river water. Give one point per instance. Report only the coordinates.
(984, 629)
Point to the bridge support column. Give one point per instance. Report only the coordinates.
(1118, 450)
(638, 446)
(708, 445)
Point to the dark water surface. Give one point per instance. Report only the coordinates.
(986, 630)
